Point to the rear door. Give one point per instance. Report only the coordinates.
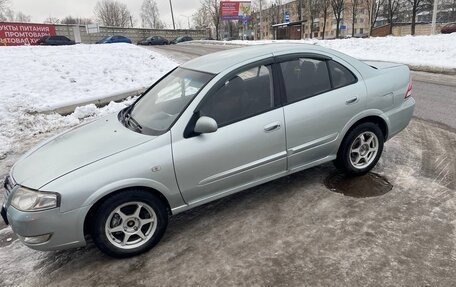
(321, 96)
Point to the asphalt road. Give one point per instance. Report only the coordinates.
(395, 227)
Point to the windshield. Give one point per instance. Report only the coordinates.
(105, 38)
(157, 110)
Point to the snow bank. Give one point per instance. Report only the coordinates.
(37, 78)
(436, 51)
(40, 78)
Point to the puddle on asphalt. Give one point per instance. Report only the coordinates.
(369, 185)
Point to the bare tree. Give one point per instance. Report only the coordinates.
(451, 4)
(80, 21)
(418, 6)
(213, 6)
(22, 18)
(113, 13)
(393, 7)
(314, 11)
(202, 18)
(325, 4)
(373, 9)
(52, 20)
(9, 15)
(3, 9)
(256, 4)
(150, 17)
(449, 8)
(338, 7)
(280, 10)
(355, 5)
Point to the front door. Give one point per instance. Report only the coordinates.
(247, 149)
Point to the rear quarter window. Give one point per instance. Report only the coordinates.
(340, 75)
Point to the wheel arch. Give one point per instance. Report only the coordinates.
(375, 117)
(93, 209)
(376, 120)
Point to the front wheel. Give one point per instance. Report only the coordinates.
(129, 223)
(360, 150)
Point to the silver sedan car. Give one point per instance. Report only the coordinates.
(214, 126)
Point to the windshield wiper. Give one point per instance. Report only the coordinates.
(130, 121)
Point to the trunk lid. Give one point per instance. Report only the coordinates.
(380, 65)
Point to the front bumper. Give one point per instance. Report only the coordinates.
(66, 229)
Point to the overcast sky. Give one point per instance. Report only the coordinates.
(42, 9)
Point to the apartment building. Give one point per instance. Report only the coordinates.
(283, 22)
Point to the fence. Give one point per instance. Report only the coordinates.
(402, 29)
(135, 34)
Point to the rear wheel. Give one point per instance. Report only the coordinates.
(129, 223)
(360, 150)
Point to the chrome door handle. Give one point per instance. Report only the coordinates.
(351, 101)
(271, 127)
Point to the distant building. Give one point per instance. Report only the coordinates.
(277, 25)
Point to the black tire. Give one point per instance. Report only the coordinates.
(343, 162)
(110, 204)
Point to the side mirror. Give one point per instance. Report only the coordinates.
(205, 125)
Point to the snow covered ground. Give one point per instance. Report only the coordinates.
(436, 51)
(44, 77)
(38, 78)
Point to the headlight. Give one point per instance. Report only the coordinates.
(28, 200)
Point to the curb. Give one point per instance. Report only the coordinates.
(434, 70)
(69, 109)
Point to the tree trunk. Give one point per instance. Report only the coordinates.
(414, 18)
(337, 28)
(311, 27)
(390, 17)
(390, 20)
(353, 18)
(324, 24)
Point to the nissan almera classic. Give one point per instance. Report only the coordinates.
(214, 126)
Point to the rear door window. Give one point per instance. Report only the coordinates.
(305, 78)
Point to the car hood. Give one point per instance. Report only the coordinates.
(74, 149)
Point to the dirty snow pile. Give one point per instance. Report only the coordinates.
(436, 51)
(38, 78)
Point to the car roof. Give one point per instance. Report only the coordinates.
(217, 62)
